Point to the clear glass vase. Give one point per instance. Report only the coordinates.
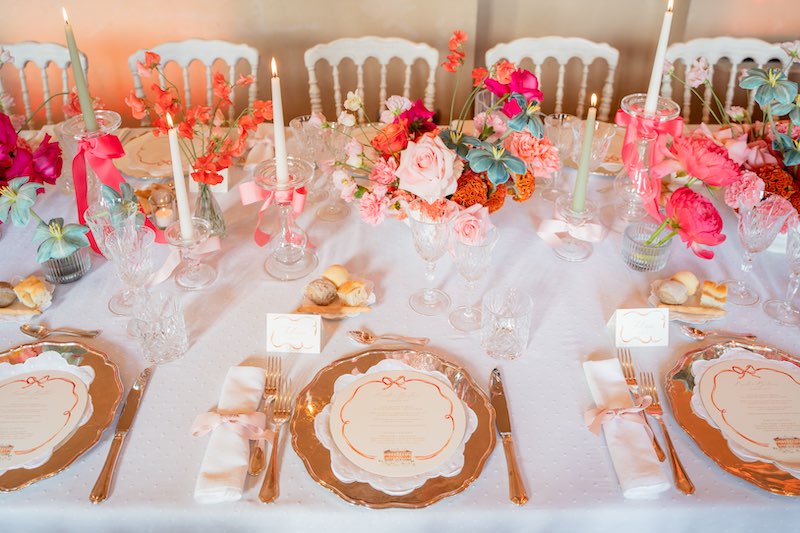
(638, 254)
(635, 185)
(209, 209)
(68, 269)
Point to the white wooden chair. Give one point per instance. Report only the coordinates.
(41, 55)
(740, 52)
(359, 50)
(183, 53)
(563, 49)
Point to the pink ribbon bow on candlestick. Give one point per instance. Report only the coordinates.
(549, 229)
(644, 127)
(248, 425)
(99, 153)
(251, 193)
(595, 418)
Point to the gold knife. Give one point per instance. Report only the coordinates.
(516, 488)
(101, 488)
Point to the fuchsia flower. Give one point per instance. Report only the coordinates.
(522, 82)
(701, 158)
(42, 165)
(46, 164)
(695, 219)
(418, 117)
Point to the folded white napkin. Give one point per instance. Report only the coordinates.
(638, 470)
(224, 467)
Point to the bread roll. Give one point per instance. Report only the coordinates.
(353, 293)
(672, 292)
(337, 274)
(321, 291)
(7, 294)
(689, 280)
(714, 295)
(33, 293)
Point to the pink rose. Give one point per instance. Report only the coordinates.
(383, 171)
(700, 157)
(471, 225)
(758, 154)
(427, 169)
(696, 221)
(539, 154)
(372, 208)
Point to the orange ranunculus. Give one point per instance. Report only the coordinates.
(206, 170)
(137, 105)
(478, 75)
(503, 71)
(392, 138)
(262, 110)
(221, 89)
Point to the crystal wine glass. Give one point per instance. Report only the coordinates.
(431, 233)
(783, 311)
(760, 220)
(307, 131)
(332, 140)
(559, 129)
(132, 254)
(601, 141)
(472, 262)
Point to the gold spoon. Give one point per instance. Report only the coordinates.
(699, 334)
(40, 332)
(365, 337)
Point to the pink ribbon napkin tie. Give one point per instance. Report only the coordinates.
(251, 193)
(248, 425)
(595, 418)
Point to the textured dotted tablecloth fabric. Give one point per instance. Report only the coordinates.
(567, 470)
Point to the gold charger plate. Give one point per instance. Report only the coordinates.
(317, 394)
(105, 392)
(680, 383)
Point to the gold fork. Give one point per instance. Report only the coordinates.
(626, 362)
(682, 480)
(257, 454)
(280, 415)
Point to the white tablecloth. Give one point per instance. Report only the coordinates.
(567, 470)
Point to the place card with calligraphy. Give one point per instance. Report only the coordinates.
(294, 333)
(634, 328)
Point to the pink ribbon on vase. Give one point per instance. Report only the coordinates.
(251, 193)
(549, 230)
(636, 127)
(99, 153)
(595, 418)
(248, 425)
(212, 244)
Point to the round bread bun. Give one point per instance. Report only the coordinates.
(337, 274)
(7, 294)
(688, 279)
(672, 292)
(321, 291)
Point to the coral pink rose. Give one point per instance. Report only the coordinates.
(471, 225)
(701, 158)
(539, 154)
(696, 221)
(372, 208)
(427, 169)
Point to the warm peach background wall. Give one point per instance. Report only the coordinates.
(110, 30)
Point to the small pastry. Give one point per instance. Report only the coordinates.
(321, 291)
(714, 295)
(353, 293)
(689, 280)
(7, 295)
(337, 274)
(33, 293)
(672, 292)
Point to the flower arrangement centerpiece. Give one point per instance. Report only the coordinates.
(407, 156)
(741, 156)
(209, 140)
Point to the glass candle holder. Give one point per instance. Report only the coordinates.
(192, 274)
(640, 256)
(290, 257)
(572, 249)
(164, 208)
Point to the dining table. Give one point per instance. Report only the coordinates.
(570, 479)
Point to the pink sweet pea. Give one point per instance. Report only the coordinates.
(696, 221)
